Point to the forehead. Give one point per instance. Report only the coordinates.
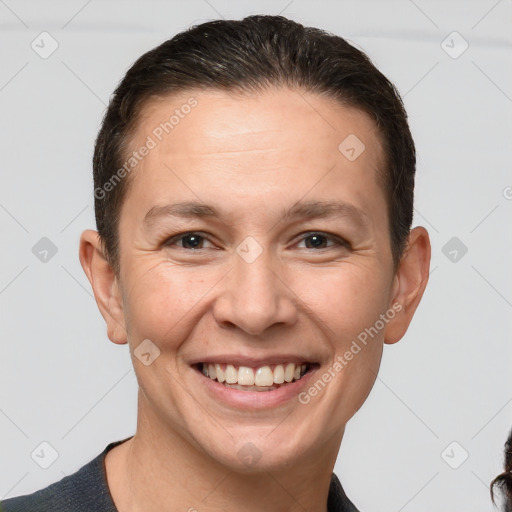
(234, 117)
(279, 139)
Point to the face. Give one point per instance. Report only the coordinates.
(255, 250)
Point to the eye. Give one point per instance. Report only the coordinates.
(190, 240)
(320, 241)
(316, 240)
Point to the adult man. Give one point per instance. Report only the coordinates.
(254, 189)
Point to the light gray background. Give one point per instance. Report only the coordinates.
(63, 382)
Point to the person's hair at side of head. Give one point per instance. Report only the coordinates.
(504, 480)
(249, 56)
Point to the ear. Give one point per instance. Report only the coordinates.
(104, 284)
(409, 283)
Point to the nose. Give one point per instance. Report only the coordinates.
(255, 297)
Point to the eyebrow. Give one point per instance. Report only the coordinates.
(301, 209)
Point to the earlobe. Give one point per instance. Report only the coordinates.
(409, 283)
(104, 284)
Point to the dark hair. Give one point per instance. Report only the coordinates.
(252, 55)
(504, 480)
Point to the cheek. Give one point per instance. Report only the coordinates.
(159, 301)
(346, 300)
(349, 302)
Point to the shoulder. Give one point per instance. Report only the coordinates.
(338, 500)
(86, 489)
(58, 497)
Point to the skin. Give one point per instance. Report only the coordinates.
(251, 157)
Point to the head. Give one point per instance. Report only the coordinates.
(254, 199)
(503, 481)
(251, 56)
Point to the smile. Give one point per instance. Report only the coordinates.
(261, 378)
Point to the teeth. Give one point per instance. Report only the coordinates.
(279, 374)
(262, 378)
(231, 374)
(289, 372)
(246, 376)
(220, 373)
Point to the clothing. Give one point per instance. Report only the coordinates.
(87, 490)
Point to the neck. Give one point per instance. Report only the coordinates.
(160, 470)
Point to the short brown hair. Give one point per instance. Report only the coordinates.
(250, 55)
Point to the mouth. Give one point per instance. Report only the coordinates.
(262, 378)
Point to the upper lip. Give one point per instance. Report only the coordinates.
(253, 361)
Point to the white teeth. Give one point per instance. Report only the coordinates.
(221, 375)
(288, 372)
(245, 376)
(252, 379)
(279, 374)
(264, 376)
(231, 374)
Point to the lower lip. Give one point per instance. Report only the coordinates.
(251, 400)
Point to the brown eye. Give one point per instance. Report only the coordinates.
(190, 240)
(323, 241)
(316, 241)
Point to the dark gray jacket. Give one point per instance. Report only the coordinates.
(87, 490)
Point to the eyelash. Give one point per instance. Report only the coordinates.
(338, 240)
